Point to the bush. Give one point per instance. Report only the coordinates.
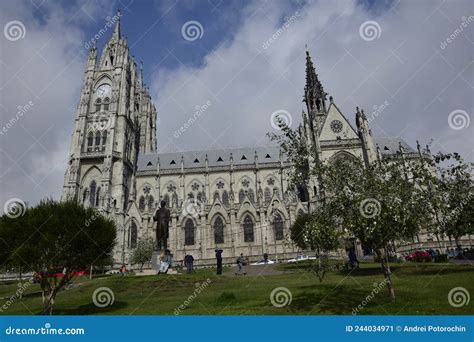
(227, 298)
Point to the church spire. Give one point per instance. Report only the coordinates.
(314, 97)
(116, 35)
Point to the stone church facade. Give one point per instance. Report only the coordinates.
(238, 199)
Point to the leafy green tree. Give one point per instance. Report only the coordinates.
(143, 252)
(447, 187)
(317, 232)
(379, 203)
(56, 237)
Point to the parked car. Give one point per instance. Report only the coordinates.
(418, 256)
(263, 262)
(301, 257)
(466, 254)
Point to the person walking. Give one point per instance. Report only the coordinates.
(240, 265)
(219, 260)
(188, 262)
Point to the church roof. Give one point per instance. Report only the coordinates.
(244, 156)
(216, 158)
(391, 145)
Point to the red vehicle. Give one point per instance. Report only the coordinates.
(418, 256)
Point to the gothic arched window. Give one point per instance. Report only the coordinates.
(97, 139)
(106, 103)
(151, 203)
(189, 233)
(225, 197)
(251, 195)
(97, 105)
(278, 226)
(216, 196)
(84, 195)
(104, 140)
(218, 230)
(175, 200)
(90, 141)
(141, 203)
(267, 195)
(248, 229)
(97, 197)
(303, 194)
(92, 193)
(241, 196)
(133, 235)
(166, 198)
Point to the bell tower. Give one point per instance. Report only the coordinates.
(114, 109)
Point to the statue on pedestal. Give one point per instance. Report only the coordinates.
(162, 217)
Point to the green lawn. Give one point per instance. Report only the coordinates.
(421, 289)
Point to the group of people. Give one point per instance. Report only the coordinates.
(188, 262)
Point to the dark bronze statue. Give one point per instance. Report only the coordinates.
(162, 217)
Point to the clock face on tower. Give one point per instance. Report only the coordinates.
(103, 90)
(336, 126)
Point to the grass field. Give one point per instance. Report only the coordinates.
(421, 289)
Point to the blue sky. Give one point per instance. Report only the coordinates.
(408, 77)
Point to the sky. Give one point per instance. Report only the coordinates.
(409, 64)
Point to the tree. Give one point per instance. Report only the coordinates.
(447, 187)
(377, 203)
(456, 188)
(143, 252)
(56, 237)
(318, 232)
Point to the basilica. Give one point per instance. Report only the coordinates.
(238, 200)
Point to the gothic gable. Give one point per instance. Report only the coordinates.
(336, 126)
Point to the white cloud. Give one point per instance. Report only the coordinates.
(247, 82)
(244, 82)
(46, 67)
